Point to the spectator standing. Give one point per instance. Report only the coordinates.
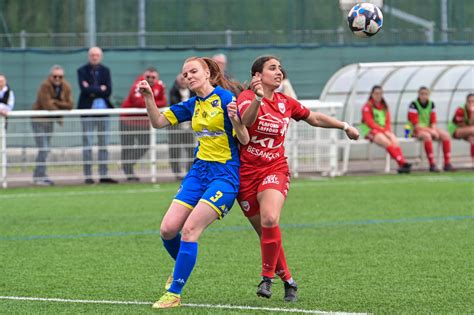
(53, 94)
(96, 87)
(135, 129)
(7, 97)
(180, 137)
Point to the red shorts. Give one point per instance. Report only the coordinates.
(371, 135)
(250, 186)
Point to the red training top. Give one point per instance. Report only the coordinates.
(368, 116)
(135, 100)
(413, 114)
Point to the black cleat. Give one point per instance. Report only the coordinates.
(449, 168)
(107, 180)
(89, 181)
(290, 292)
(404, 169)
(434, 169)
(265, 288)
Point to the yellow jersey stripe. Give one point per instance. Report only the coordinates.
(171, 117)
(213, 207)
(184, 204)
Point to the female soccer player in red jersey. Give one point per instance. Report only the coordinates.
(264, 170)
(376, 127)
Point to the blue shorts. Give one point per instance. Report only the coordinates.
(213, 183)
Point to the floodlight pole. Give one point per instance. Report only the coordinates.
(141, 24)
(444, 20)
(90, 23)
(3, 147)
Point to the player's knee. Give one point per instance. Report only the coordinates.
(424, 136)
(189, 233)
(444, 136)
(269, 220)
(168, 231)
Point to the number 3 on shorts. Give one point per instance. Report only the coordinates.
(216, 196)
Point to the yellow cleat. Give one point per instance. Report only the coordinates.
(168, 300)
(169, 282)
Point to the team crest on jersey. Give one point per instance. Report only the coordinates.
(282, 108)
(215, 103)
(245, 205)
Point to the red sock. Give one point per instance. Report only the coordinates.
(447, 152)
(429, 151)
(270, 245)
(396, 154)
(400, 152)
(281, 267)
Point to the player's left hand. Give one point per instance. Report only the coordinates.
(352, 133)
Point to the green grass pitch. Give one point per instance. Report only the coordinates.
(380, 244)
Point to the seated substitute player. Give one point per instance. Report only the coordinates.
(264, 172)
(376, 127)
(462, 125)
(209, 189)
(422, 118)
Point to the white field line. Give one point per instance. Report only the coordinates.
(85, 193)
(319, 181)
(215, 306)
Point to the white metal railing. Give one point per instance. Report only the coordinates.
(130, 151)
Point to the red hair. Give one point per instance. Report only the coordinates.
(216, 75)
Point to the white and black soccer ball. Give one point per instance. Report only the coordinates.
(365, 19)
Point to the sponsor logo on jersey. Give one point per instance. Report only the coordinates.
(269, 124)
(245, 205)
(271, 179)
(207, 133)
(265, 142)
(260, 153)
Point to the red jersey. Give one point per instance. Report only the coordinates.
(135, 100)
(267, 135)
(460, 116)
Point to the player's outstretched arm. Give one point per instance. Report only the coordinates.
(240, 130)
(325, 121)
(156, 118)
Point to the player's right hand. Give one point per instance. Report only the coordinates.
(232, 111)
(144, 87)
(256, 85)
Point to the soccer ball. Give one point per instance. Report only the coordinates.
(365, 19)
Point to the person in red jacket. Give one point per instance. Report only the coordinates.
(462, 125)
(422, 118)
(376, 127)
(134, 129)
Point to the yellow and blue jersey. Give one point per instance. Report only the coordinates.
(210, 124)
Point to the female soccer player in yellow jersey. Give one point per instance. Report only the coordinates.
(208, 191)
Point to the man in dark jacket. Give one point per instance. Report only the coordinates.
(54, 94)
(96, 87)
